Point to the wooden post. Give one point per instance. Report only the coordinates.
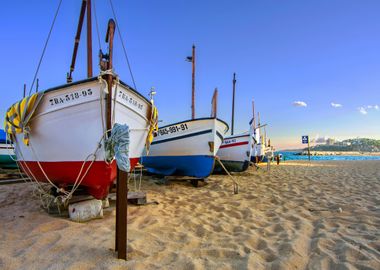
(121, 214)
(233, 105)
(193, 84)
(89, 40)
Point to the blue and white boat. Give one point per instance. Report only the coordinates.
(186, 148)
(7, 155)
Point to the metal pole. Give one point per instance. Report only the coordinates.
(24, 90)
(308, 147)
(193, 84)
(233, 105)
(89, 40)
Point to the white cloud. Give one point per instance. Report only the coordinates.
(336, 105)
(362, 110)
(299, 104)
(365, 109)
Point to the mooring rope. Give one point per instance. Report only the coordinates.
(236, 183)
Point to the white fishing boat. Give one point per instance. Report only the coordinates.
(235, 152)
(61, 131)
(186, 148)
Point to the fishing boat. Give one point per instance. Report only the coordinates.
(60, 134)
(7, 156)
(235, 151)
(187, 148)
(258, 151)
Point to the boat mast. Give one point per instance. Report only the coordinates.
(214, 103)
(233, 105)
(253, 113)
(109, 39)
(89, 40)
(193, 84)
(85, 4)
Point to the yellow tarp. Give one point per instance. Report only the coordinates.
(153, 126)
(19, 114)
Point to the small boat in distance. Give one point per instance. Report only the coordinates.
(7, 155)
(186, 148)
(235, 151)
(60, 137)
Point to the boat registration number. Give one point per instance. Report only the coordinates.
(229, 141)
(130, 100)
(172, 129)
(62, 99)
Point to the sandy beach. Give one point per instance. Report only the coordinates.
(299, 216)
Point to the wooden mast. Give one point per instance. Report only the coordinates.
(89, 40)
(109, 40)
(193, 84)
(214, 104)
(76, 44)
(253, 113)
(233, 105)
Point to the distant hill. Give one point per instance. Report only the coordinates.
(350, 145)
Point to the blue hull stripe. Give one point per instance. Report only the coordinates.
(196, 166)
(183, 136)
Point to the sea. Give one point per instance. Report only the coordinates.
(292, 156)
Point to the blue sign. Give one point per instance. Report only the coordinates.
(305, 139)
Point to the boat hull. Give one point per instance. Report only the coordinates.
(235, 153)
(186, 148)
(7, 156)
(67, 130)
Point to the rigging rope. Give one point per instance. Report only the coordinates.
(46, 43)
(122, 43)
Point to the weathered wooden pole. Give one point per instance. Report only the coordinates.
(193, 83)
(76, 43)
(233, 105)
(89, 40)
(121, 214)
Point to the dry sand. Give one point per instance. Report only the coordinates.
(288, 219)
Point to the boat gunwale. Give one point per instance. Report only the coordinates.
(202, 118)
(90, 80)
(237, 136)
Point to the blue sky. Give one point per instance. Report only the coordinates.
(316, 51)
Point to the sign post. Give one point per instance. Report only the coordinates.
(305, 139)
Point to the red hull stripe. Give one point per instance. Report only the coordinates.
(233, 144)
(97, 181)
